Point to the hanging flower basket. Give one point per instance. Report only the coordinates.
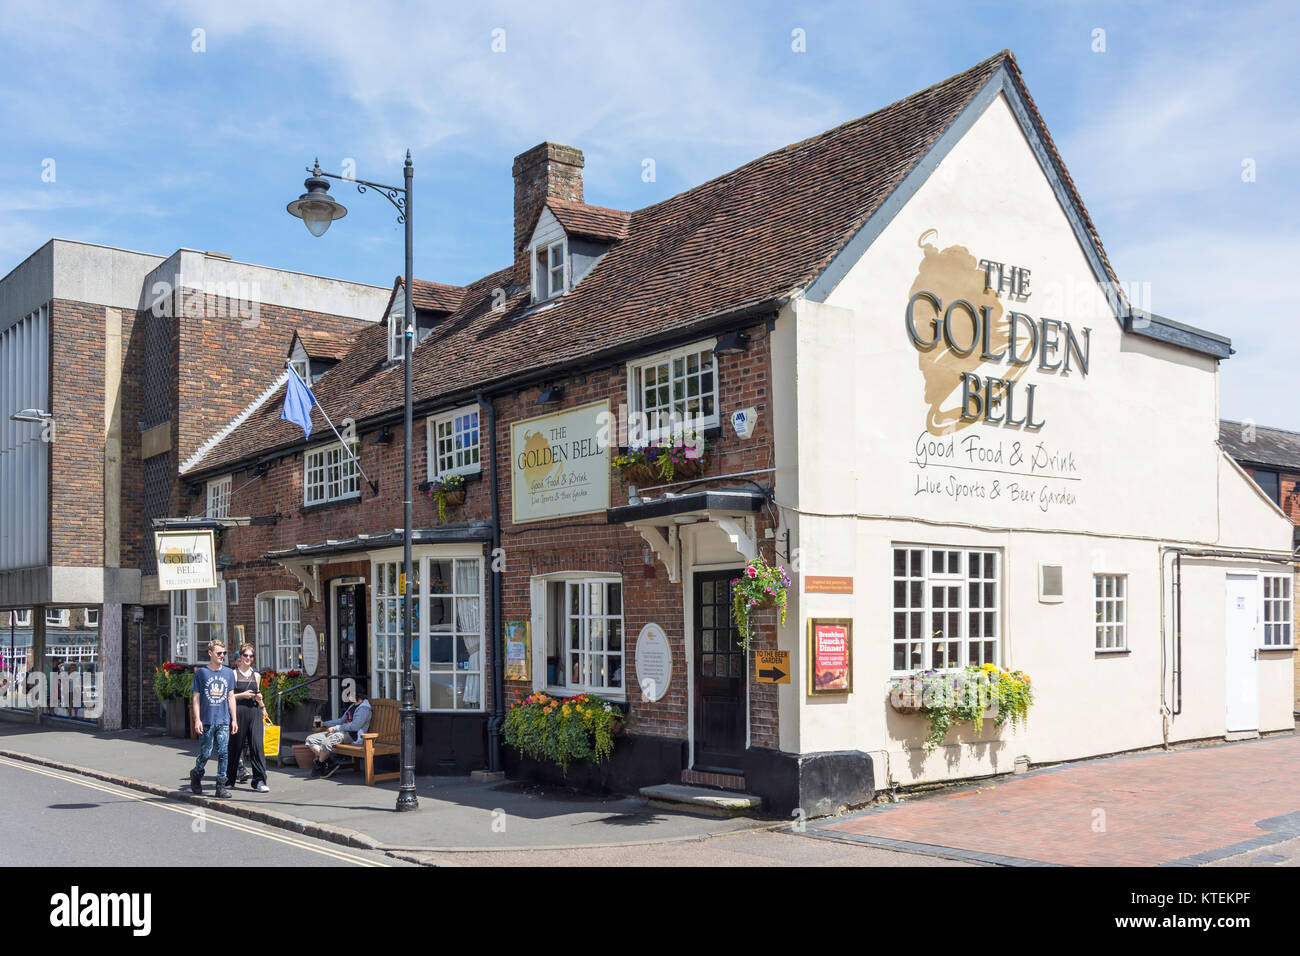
(760, 586)
(447, 491)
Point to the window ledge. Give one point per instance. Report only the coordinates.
(619, 697)
(1278, 649)
(326, 505)
(1112, 652)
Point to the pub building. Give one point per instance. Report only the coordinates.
(922, 391)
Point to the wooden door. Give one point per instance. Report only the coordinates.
(720, 677)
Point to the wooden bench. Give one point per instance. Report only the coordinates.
(384, 736)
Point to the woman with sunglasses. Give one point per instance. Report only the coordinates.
(251, 710)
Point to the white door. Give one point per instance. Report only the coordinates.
(1243, 641)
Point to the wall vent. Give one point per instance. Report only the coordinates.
(1051, 583)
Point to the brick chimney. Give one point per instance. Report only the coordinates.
(547, 171)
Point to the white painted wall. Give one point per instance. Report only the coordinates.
(1141, 426)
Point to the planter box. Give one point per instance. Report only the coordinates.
(298, 719)
(178, 717)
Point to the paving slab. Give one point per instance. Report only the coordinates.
(1184, 807)
(456, 814)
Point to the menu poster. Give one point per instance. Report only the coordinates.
(830, 655)
(518, 652)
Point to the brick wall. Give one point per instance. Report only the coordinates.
(583, 542)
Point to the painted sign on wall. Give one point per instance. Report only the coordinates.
(559, 464)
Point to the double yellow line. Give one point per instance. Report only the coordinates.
(216, 817)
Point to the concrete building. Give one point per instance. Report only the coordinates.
(136, 359)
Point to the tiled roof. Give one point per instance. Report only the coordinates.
(434, 296)
(593, 222)
(1257, 445)
(745, 239)
(325, 345)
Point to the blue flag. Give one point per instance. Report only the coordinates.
(298, 401)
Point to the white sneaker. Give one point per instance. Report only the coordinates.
(263, 788)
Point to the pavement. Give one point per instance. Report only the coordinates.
(1226, 804)
(456, 817)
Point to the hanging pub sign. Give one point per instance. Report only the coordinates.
(559, 464)
(830, 656)
(185, 560)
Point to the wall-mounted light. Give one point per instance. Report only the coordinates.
(731, 343)
(192, 490)
(261, 469)
(550, 394)
(382, 437)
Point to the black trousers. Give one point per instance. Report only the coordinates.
(250, 735)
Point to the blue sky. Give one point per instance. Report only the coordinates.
(157, 145)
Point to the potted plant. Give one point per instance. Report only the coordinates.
(285, 694)
(447, 490)
(972, 694)
(760, 585)
(171, 685)
(562, 730)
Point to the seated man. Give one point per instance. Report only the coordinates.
(354, 721)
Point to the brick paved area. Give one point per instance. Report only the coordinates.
(1183, 807)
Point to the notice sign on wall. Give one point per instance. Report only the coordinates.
(559, 464)
(519, 652)
(830, 656)
(185, 560)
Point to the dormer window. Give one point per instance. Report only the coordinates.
(396, 334)
(551, 270)
(303, 368)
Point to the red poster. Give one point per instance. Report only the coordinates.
(830, 657)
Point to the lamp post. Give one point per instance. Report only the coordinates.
(317, 209)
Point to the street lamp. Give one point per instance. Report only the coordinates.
(33, 415)
(317, 209)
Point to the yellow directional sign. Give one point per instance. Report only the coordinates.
(772, 667)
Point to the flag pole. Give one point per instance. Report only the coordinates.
(374, 486)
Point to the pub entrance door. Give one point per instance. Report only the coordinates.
(720, 677)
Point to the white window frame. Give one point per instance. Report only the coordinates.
(60, 617)
(89, 623)
(641, 429)
(279, 630)
(918, 619)
(386, 629)
(397, 337)
(1110, 613)
(185, 606)
(541, 628)
(543, 270)
(303, 368)
(21, 617)
(219, 498)
(458, 461)
(330, 469)
(1277, 597)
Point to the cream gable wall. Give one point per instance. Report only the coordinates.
(1141, 427)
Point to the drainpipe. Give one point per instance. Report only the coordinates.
(497, 631)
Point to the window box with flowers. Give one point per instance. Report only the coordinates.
(946, 697)
(760, 586)
(563, 730)
(681, 458)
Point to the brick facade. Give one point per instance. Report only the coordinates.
(580, 543)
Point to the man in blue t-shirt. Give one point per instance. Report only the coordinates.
(213, 695)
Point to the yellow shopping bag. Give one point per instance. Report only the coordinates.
(270, 739)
